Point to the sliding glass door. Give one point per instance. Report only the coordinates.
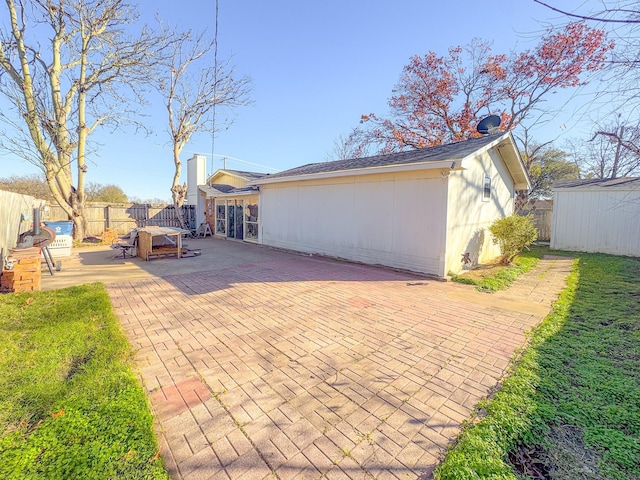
(239, 220)
(235, 220)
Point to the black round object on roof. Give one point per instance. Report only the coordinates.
(488, 124)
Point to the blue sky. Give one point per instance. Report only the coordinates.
(315, 68)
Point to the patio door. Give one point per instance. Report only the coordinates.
(239, 220)
(235, 221)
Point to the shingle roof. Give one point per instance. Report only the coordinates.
(221, 187)
(624, 182)
(451, 151)
(247, 175)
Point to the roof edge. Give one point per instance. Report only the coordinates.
(405, 167)
(233, 173)
(514, 163)
(602, 184)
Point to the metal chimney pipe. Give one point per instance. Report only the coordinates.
(36, 221)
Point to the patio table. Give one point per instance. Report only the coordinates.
(159, 241)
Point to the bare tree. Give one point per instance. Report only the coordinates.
(612, 152)
(193, 85)
(354, 145)
(620, 90)
(609, 12)
(68, 67)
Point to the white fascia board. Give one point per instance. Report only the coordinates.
(439, 165)
(239, 194)
(213, 193)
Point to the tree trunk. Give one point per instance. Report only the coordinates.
(616, 160)
(79, 216)
(178, 192)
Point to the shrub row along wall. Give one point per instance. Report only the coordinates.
(125, 216)
(16, 217)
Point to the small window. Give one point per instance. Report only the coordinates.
(486, 191)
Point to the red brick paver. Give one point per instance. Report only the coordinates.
(302, 367)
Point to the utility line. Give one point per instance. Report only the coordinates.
(215, 86)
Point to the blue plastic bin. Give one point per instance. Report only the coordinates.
(61, 228)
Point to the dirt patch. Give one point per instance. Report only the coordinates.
(566, 458)
(483, 271)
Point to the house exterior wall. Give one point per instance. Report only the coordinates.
(597, 220)
(396, 220)
(196, 175)
(469, 215)
(226, 179)
(210, 212)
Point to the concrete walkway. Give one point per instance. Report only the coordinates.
(269, 365)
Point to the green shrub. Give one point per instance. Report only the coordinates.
(513, 234)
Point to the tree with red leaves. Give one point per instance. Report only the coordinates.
(441, 99)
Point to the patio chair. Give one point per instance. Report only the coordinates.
(127, 247)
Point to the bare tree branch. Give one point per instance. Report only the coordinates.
(192, 89)
(88, 72)
(594, 17)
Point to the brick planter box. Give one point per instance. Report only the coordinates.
(24, 277)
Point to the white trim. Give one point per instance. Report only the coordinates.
(593, 188)
(238, 194)
(211, 192)
(408, 167)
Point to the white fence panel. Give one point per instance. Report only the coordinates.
(590, 220)
(16, 217)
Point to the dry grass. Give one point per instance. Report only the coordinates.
(483, 271)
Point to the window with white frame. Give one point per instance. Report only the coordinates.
(486, 189)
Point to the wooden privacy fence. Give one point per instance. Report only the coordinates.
(542, 220)
(125, 216)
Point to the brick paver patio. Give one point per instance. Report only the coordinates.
(304, 367)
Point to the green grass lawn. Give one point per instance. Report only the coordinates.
(571, 407)
(70, 404)
(499, 277)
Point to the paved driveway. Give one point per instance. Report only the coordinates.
(269, 365)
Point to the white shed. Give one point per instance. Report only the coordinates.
(597, 215)
(423, 210)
